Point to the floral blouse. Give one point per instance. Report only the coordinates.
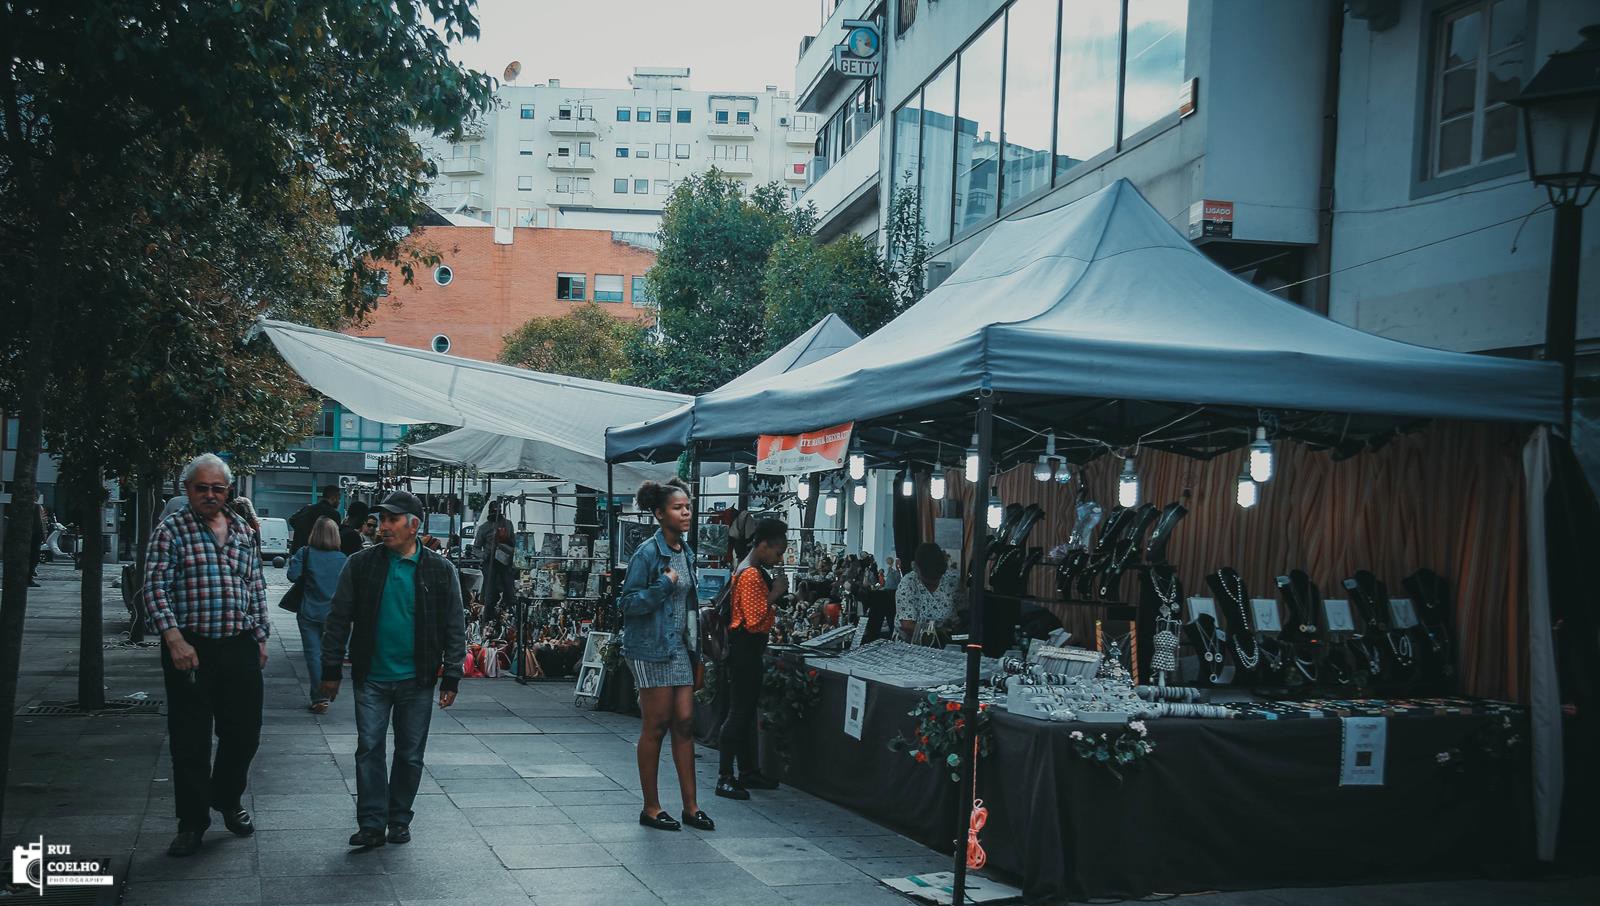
(913, 601)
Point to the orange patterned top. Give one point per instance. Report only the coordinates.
(751, 611)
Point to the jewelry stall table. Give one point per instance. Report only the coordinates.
(1219, 804)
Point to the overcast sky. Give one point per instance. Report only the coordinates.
(743, 44)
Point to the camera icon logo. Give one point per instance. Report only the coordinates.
(27, 865)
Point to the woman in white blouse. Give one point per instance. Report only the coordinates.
(925, 598)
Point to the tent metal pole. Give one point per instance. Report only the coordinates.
(694, 483)
(612, 527)
(969, 708)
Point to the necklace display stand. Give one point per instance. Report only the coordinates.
(1301, 639)
(1436, 656)
(1171, 515)
(1125, 553)
(1233, 604)
(1382, 657)
(1104, 546)
(1209, 646)
(1159, 621)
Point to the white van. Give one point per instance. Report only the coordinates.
(274, 537)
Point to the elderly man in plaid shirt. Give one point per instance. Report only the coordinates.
(207, 597)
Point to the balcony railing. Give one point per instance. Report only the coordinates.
(458, 201)
(461, 166)
(573, 125)
(568, 163)
(583, 199)
(731, 130)
(741, 167)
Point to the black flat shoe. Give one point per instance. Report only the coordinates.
(727, 789)
(700, 820)
(238, 821)
(758, 782)
(399, 833)
(187, 843)
(662, 821)
(367, 837)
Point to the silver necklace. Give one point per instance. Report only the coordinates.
(1236, 595)
(1402, 649)
(1211, 650)
(1169, 601)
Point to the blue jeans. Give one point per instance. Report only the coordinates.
(311, 643)
(386, 798)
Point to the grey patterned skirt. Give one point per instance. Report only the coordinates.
(677, 671)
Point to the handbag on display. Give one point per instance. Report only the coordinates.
(530, 665)
(491, 661)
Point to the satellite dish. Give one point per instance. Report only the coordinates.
(513, 69)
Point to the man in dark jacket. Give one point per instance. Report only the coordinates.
(495, 547)
(398, 606)
(306, 517)
(351, 540)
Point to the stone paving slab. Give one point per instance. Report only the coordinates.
(525, 800)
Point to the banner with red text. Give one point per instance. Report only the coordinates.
(802, 454)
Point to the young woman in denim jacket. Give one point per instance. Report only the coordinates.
(661, 648)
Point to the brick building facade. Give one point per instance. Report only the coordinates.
(483, 290)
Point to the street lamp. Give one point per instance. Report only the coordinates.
(1561, 124)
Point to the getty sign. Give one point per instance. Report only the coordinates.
(860, 54)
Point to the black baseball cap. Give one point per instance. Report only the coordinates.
(402, 503)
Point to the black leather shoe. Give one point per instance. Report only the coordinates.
(399, 833)
(758, 782)
(700, 820)
(662, 821)
(367, 837)
(187, 843)
(728, 789)
(238, 821)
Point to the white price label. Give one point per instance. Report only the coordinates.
(1198, 606)
(1264, 611)
(1402, 613)
(1339, 617)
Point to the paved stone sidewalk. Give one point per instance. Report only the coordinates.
(524, 797)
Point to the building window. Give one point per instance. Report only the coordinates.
(1086, 115)
(564, 112)
(641, 187)
(663, 186)
(1479, 56)
(643, 117)
(938, 143)
(683, 116)
(663, 115)
(527, 111)
(741, 152)
(585, 113)
(743, 117)
(619, 186)
(442, 275)
(352, 432)
(441, 344)
(681, 152)
(1030, 88)
(622, 152)
(571, 287)
(663, 150)
(524, 217)
(642, 151)
(624, 114)
(1156, 32)
(524, 183)
(525, 148)
(585, 149)
(719, 152)
(977, 154)
(608, 287)
(721, 117)
(564, 184)
(641, 293)
(563, 150)
(582, 184)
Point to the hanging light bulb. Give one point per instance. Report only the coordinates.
(859, 495)
(972, 460)
(1047, 459)
(1063, 472)
(733, 477)
(858, 466)
(830, 504)
(1128, 485)
(1261, 457)
(908, 485)
(1248, 492)
(995, 513)
(804, 491)
(936, 485)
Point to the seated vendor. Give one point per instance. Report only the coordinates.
(926, 598)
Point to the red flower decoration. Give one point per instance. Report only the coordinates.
(952, 706)
(811, 673)
(922, 739)
(921, 757)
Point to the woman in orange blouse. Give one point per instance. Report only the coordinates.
(754, 594)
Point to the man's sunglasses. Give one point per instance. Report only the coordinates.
(217, 489)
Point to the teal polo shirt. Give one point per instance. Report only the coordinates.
(394, 650)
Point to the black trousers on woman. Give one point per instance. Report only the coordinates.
(742, 672)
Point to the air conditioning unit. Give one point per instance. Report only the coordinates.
(783, 121)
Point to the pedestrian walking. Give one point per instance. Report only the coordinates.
(206, 596)
(317, 567)
(40, 533)
(756, 592)
(351, 538)
(496, 554)
(660, 646)
(398, 606)
(304, 518)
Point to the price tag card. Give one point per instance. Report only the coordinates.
(855, 706)
(1198, 606)
(1364, 744)
(1264, 613)
(1402, 614)
(1338, 614)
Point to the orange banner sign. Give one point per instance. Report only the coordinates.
(802, 454)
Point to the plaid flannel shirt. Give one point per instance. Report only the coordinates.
(193, 584)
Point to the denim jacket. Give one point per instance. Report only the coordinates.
(647, 614)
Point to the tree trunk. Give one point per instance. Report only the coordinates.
(150, 503)
(91, 657)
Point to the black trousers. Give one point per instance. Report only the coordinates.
(741, 670)
(224, 698)
(880, 615)
(499, 589)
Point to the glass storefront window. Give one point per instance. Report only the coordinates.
(978, 129)
(1156, 34)
(1086, 118)
(1030, 77)
(938, 143)
(907, 138)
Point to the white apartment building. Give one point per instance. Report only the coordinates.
(607, 158)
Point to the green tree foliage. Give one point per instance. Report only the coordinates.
(587, 342)
(708, 283)
(907, 267)
(806, 281)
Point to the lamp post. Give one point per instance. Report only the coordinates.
(1561, 123)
